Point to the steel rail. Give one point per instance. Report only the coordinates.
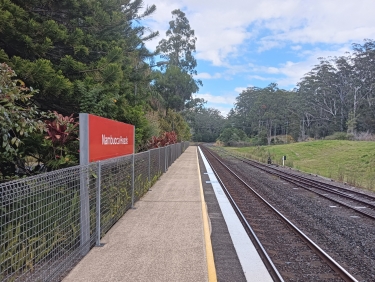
(345, 275)
(321, 185)
(254, 238)
(298, 182)
(372, 198)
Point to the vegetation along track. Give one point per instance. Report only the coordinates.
(296, 257)
(360, 202)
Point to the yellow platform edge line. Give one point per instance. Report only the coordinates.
(207, 238)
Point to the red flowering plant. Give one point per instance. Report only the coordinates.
(62, 139)
(165, 139)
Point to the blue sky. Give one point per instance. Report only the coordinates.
(244, 43)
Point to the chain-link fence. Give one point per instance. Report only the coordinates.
(50, 221)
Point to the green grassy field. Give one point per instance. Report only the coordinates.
(346, 161)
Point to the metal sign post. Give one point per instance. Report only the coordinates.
(84, 189)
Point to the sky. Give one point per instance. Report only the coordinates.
(244, 43)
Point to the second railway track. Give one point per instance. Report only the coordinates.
(295, 260)
(362, 203)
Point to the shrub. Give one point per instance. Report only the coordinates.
(337, 136)
(232, 135)
(19, 118)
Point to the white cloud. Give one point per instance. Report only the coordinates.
(227, 99)
(272, 70)
(205, 75)
(223, 103)
(221, 28)
(289, 73)
(240, 89)
(229, 34)
(296, 47)
(261, 78)
(224, 110)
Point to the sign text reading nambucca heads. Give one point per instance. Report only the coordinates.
(114, 140)
(104, 138)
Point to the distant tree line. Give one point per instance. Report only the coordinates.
(337, 95)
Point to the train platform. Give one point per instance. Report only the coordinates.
(181, 230)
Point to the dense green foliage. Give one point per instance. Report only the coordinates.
(90, 56)
(337, 95)
(264, 112)
(205, 123)
(18, 120)
(178, 48)
(231, 136)
(176, 84)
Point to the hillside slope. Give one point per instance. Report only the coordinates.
(347, 161)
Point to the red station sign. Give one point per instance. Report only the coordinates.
(106, 138)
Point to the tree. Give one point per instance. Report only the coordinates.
(175, 81)
(19, 118)
(179, 47)
(205, 123)
(83, 56)
(77, 53)
(175, 86)
(338, 94)
(230, 135)
(364, 70)
(260, 111)
(340, 91)
(173, 121)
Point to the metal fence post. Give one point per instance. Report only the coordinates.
(133, 181)
(165, 159)
(167, 153)
(98, 202)
(159, 172)
(149, 169)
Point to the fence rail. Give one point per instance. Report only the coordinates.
(48, 223)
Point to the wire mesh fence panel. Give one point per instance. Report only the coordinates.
(163, 159)
(115, 191)
(40, 232)
(87, 202)
(154, 167)
(49, 222)
(185, 145)
(179, 150)
(170, 151)
(175, 152)
(141, 181)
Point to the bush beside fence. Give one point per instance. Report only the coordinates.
(43, 218)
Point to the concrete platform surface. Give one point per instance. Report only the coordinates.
(161, 240)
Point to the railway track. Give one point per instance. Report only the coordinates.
(294, 255)
(360, 202)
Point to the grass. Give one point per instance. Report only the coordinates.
(347, 161)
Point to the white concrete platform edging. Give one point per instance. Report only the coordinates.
(252, 265)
